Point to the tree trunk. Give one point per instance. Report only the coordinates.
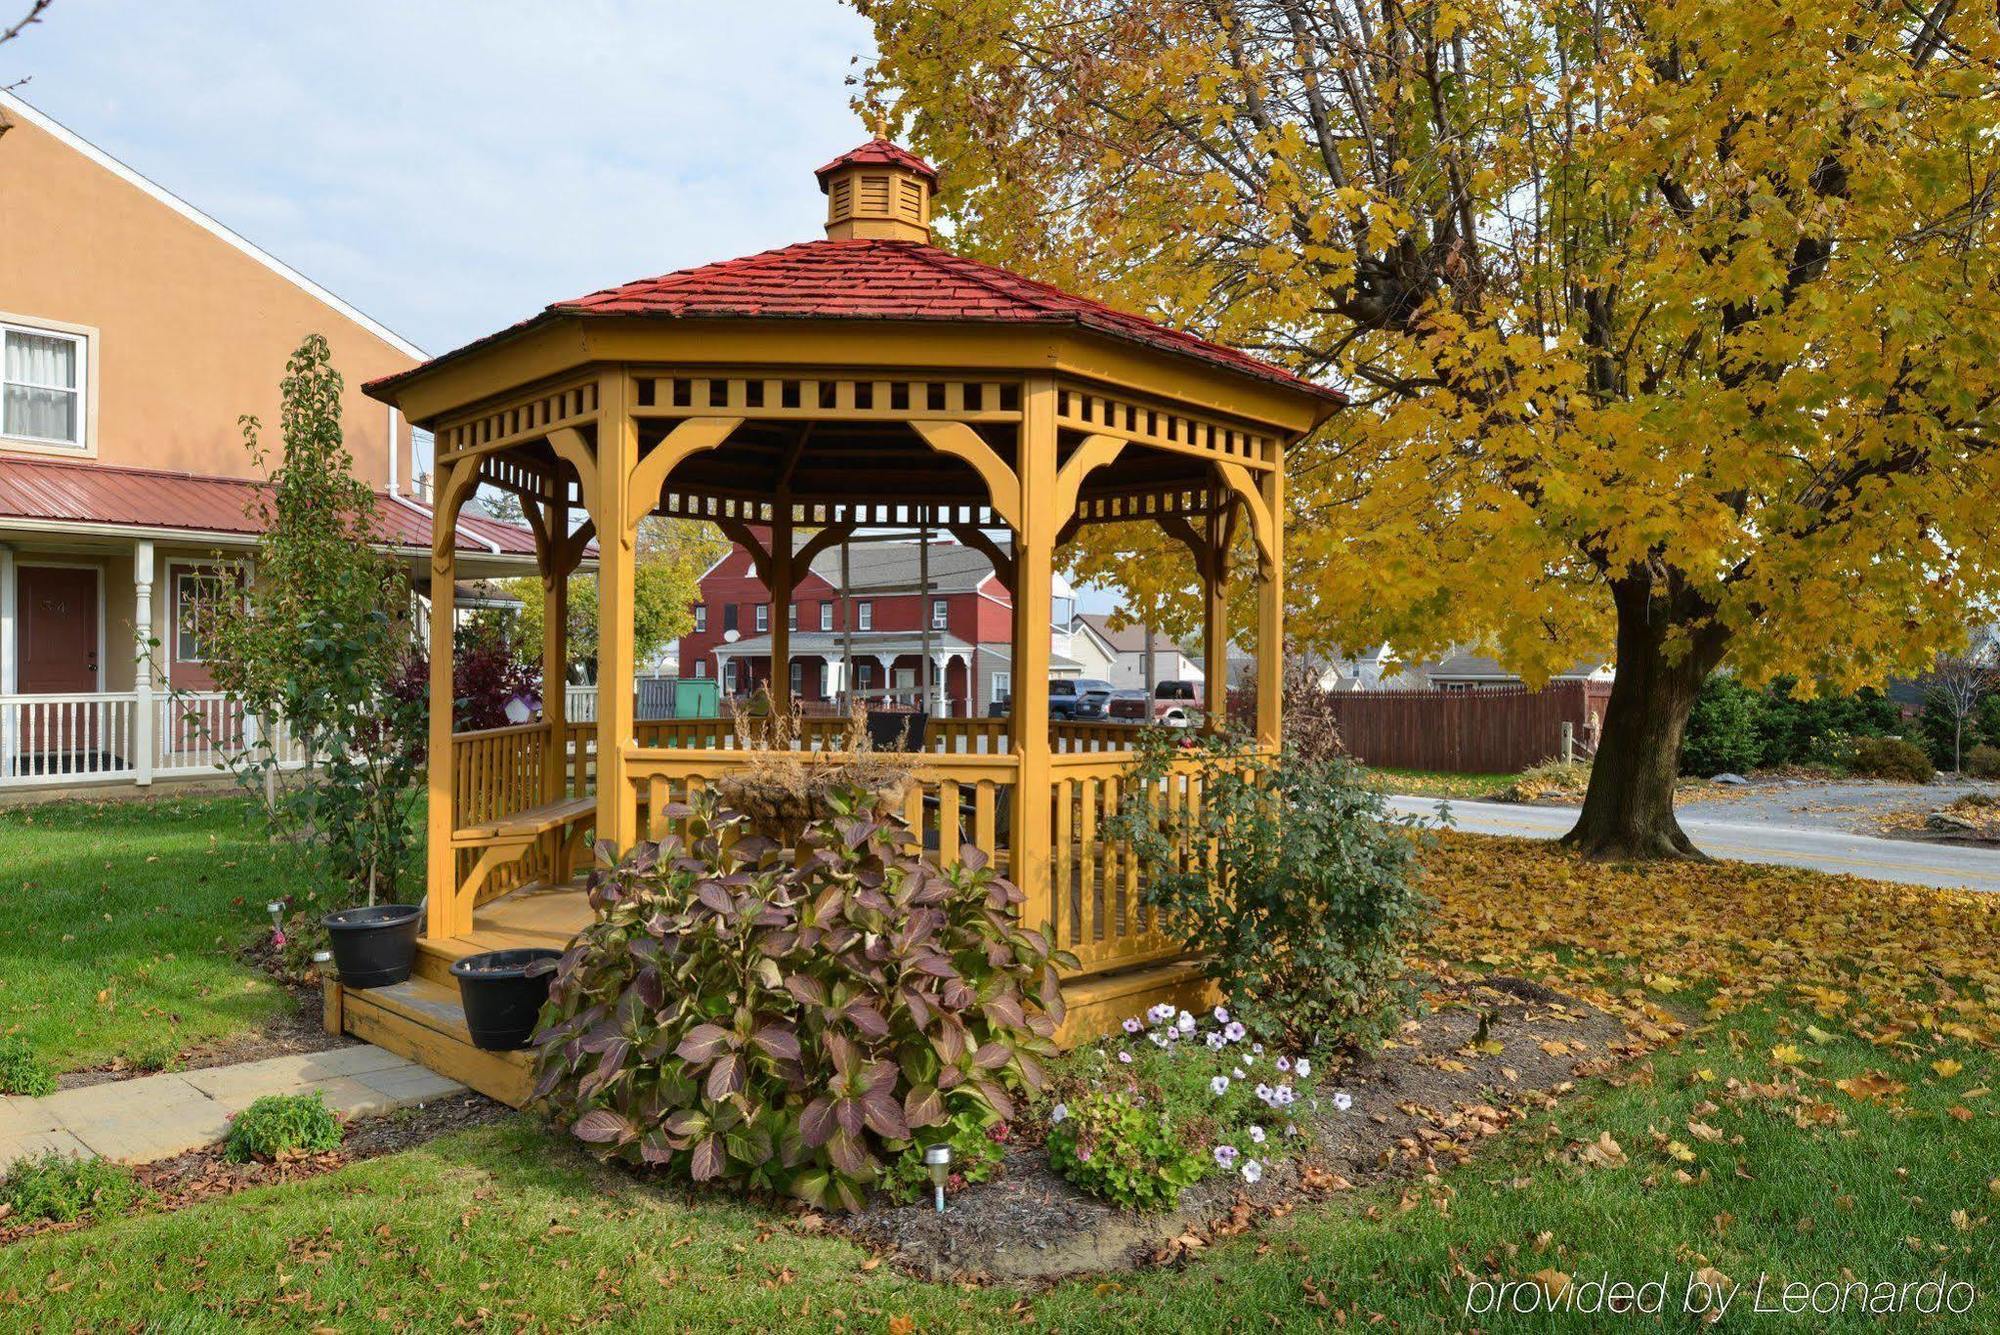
(1628, 810)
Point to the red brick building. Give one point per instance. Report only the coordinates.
(878, 629)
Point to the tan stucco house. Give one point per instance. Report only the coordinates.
(134, 332)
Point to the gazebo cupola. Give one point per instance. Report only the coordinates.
(878, 192)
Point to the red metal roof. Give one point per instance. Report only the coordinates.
(860, 279)
(878, 153)
(63, 491)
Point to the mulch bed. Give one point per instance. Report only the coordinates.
(1420, 1106)
(205, 1174)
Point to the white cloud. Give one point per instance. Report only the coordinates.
(450, 167)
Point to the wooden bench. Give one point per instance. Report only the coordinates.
(507, 839)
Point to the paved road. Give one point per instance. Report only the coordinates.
(1823, 850)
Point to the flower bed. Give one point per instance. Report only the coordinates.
(1175, 1099)
(1482, 1056)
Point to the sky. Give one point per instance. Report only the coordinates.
(451, 167)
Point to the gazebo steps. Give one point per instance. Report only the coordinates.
(533, 917)
(422, 1020)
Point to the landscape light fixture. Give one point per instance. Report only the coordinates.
(938, 1159)
(276, 909)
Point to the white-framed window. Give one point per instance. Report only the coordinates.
(763, 617)
(798, 680)
(43, 385)
(701, 616)
(938, 610)
(792, 616)
(864, 675)
(1003, 687)
(196, 594)
(864, 615)
(729, 677)
(701, 667)
(826, 616)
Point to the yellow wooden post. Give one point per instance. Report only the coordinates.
(443, 918)
(1034, 567)
(555, 669)
(617, 556)
(781, 605)
(1271, 608)
(1215, 620)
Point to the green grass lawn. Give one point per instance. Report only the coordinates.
(1437, 783)
(498, 1222)
(120, 924)
(1831, 1115)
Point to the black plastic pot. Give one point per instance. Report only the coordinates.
(502, 992)
(374, 947)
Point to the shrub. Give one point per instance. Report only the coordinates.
(1983, 762)
(786, 1018)
(1292, 883)
(1735, 728)
(1552, 780)
(22, 1071)
(316, 641)
(62, 1187)
(1721, 735)
(281, 1124)
(1891, 758)
(1133, 1156)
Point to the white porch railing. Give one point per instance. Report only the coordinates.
(580, 704)
(124, 737)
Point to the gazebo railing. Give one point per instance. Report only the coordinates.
(1095, 879)
(1092, 892)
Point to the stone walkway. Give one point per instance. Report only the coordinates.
(159, 1116)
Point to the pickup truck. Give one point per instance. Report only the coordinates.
(1066, 693)
(1172, 702)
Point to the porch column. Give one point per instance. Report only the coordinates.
(1034, 569)
(10, 716)
(1271, 610)
(445, 917)
(1215, 623)
(617, 546)
(781, 604)
(142, 669)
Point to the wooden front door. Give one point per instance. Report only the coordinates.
(56, 637)
(56, 653)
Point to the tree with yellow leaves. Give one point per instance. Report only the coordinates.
(1672, 326)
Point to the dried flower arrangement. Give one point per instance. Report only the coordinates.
(795, 767)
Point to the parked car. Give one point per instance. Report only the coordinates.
(1064, 692)
(1127, 707)
(1091, 706)
(1178, 699)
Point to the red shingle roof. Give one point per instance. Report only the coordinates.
(878, 153)
(859, 279)
(62, 491)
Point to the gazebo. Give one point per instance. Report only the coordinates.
(795, 398)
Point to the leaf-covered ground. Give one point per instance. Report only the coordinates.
(1783, 1134)
(121, 923)
(1908, 968)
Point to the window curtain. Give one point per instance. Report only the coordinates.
(41, 393)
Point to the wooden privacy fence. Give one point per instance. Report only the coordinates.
(1465, 732)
